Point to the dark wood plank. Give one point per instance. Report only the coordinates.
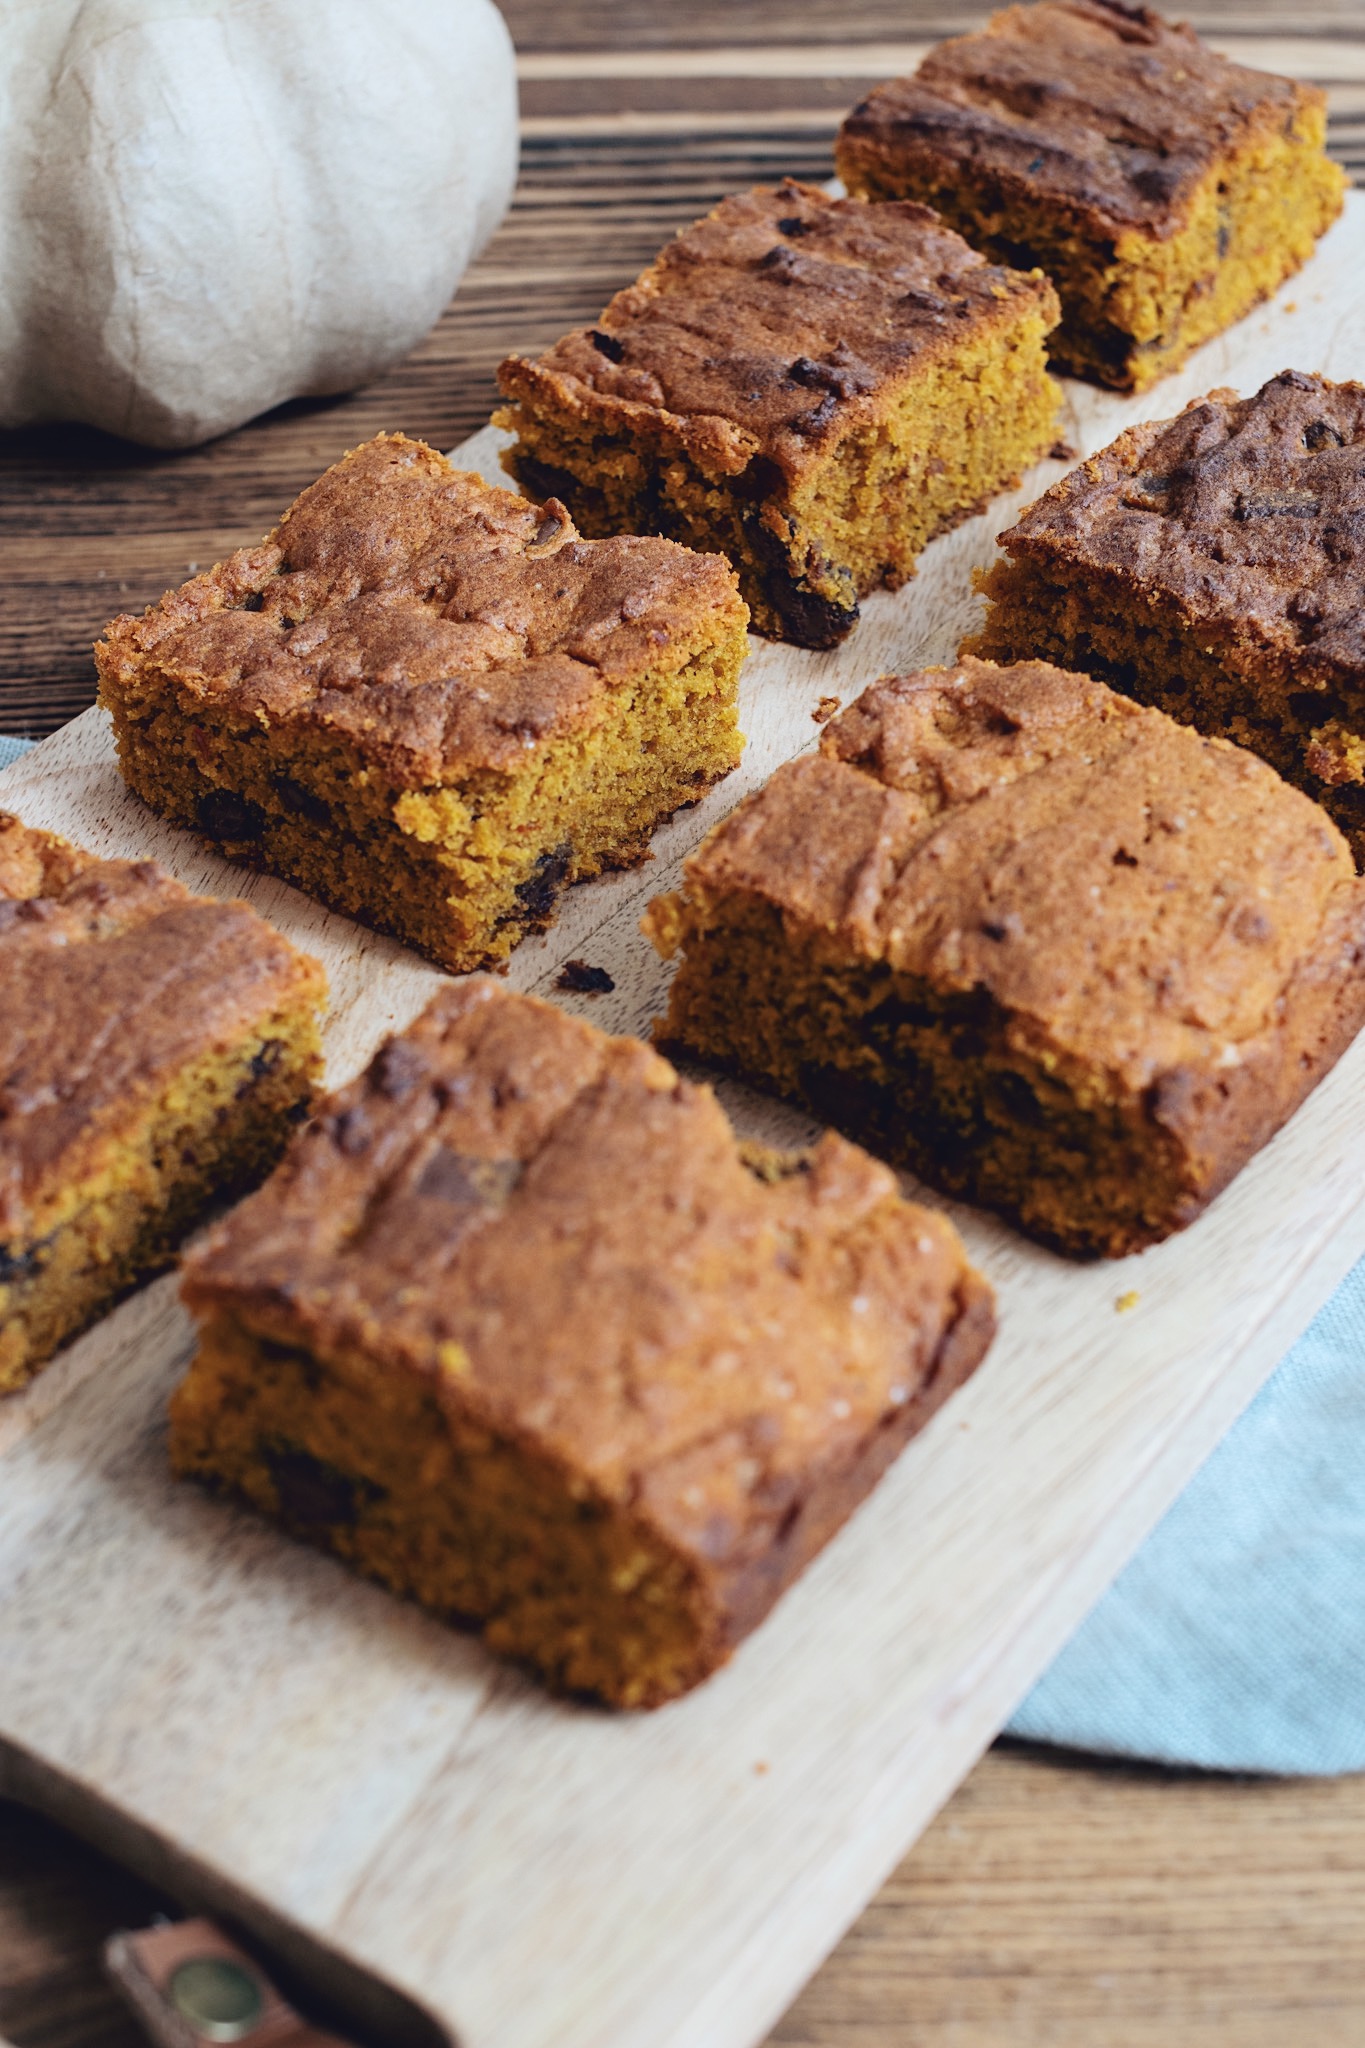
(1058, 1903)
(642, 24)
(58, 1903)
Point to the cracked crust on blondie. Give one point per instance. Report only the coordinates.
(814, 386)
(429, 703)
(1048, 948)
(519, 1329)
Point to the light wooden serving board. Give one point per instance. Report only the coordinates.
(373, 1792)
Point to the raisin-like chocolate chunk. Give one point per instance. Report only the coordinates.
(223, 814)
(540, 892)
(578, 978)
(313, 1494)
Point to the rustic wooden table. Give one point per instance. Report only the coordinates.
(1056, 1901)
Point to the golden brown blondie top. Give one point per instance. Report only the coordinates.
(1249, 511)
(775, 324)
(427, 618)
(112, 978)
(1138, 895)
(561, 1234)
(1101, 108)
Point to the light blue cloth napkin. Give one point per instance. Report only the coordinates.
(1235, 1640)
(10, 750)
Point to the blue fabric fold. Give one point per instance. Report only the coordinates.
(1235, 1640)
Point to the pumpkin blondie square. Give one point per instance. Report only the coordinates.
(429, 703)
(1213, 565)
(520, 1329)
(156, 1049)
(1163, 189)
(1053, 951)
(813, 386)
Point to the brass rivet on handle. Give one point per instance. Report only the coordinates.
(221, 2000)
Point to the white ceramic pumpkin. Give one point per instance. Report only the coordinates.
(209, 206)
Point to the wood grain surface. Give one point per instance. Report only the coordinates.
(1058, 1906)
(1055, 1903)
